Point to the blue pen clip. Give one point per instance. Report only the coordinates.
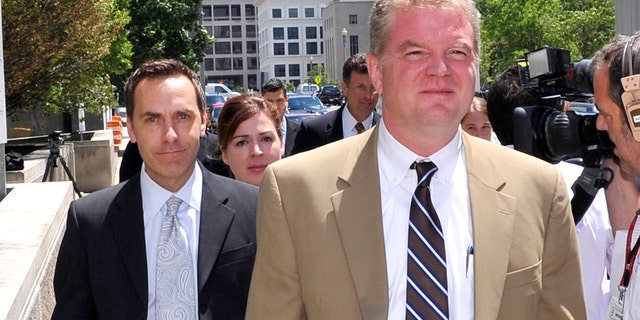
(469, 257)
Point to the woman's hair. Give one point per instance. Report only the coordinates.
(239, 109)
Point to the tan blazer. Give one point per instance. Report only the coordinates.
(320, 239)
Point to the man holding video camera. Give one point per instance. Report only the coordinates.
(616, 68)
(593, 230)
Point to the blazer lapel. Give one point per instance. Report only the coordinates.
(492, 214)
(215, 219)
(358, 214)
(127, 225)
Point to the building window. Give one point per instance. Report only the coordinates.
(293, 12)
(353, 19)
(309, 12)
(222, 47)
(276, 13)
(278, 33)
(207, 14)
(237, 64)
(252, 63)
(312, 32)
(236, 12)
(353, 45)
(209, 30)
(221, 13)
(223, 64)
(292, 33)
(252, 80)
(312, 48)
(294, 70)
(294, 48)
(237, 47)
(208, 64)
(251, 30)
(249, 12)
(278, 49)
(209, 49)
(221, 32)
(252, 47)
(279, 70)
(236, 31)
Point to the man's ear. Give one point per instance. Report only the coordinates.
(375, 72)
(130, 131)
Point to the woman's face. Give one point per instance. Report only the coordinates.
(254, 146)
(477, 124)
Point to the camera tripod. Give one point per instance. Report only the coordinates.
(55, 140)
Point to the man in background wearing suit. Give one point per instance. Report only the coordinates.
(355, 116)
(485, 233)
(173, 241)
(275, 92)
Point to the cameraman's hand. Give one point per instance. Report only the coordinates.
(623, 198)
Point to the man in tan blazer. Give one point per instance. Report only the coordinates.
(332, 237)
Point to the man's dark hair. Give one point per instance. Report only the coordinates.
(503, 97)
(273, 85)
(161, 68)
(357, 63)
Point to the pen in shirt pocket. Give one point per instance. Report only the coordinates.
(469, 259)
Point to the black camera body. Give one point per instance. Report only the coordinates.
(549, 132)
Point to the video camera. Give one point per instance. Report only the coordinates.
(551, 131)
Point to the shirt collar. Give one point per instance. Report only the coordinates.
(394, 152)
(349, 122)
(154, 196)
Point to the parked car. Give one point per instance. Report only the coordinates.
(304, 106)
(331, 95)
(215, 114)
(221, 89)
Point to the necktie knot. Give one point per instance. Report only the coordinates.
(172, 205)
(359, 127)
(425, 171)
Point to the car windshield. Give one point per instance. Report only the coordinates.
(211, 99)
(331, 90)
(216, 112)
(309, 103)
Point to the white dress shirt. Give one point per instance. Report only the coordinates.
(595, 240)
(450, 197)
(154, 198)
(632, 295)
(349, 123)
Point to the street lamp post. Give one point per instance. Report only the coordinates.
(344, 33)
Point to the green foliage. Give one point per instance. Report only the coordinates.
(167, 29)
(511, 28)
(59, 54)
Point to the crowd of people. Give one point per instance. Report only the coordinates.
(422, 211)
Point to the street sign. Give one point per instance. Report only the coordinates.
(318, 79)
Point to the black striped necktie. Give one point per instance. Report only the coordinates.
(426, 259)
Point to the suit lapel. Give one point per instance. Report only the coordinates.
(493, 214)
(127, 225)
(334, 127)
(359, 217)
(215, 220)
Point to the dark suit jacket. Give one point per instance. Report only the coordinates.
(101, 271)
(321, 130)
(208, 154)
(292, 131)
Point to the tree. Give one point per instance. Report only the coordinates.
(59, 54)
(168, 29)
(511, 28)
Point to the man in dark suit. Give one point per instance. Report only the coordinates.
(275, 92)
(355, 116)
(114, 260)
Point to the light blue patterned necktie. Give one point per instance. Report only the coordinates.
(175, 284)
